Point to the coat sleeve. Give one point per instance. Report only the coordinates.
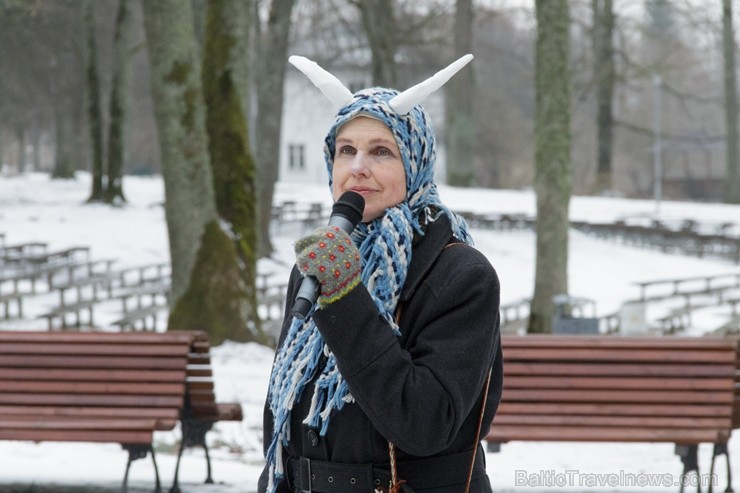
(417, 393)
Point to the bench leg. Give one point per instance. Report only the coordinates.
(193, 434)
(175, 484)
(136, 452)
(209, 479)
(690, 457)
(720, 449)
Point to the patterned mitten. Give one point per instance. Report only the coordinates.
(330, 255)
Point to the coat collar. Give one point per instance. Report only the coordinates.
(438, 234)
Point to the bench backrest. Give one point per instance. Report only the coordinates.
(606, 388)
(200, 387)
(92, 376)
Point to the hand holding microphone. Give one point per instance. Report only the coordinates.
(328, 258)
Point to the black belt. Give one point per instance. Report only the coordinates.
(336, 477)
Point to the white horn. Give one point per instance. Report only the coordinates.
(329, 85)
(412, 96)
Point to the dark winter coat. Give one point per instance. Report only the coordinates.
(423, 390)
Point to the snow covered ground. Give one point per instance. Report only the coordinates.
(34, 208)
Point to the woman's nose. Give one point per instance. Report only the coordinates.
(359, 165)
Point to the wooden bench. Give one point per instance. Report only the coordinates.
(107, 387)
(677, 390)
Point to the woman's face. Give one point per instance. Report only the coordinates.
(367, 161)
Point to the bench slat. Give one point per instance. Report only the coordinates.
(156, 413)
(621, 342)
(637, 383)
(636, 396)
(598, 434)
(610, 409)
(514, 368)
(19, 423)
(607, 421)
(604, 355)
(51, 361)
(91, 375)
(102, 388)
(123, 437)
(112, 349)
(149, 338)
(91, 400)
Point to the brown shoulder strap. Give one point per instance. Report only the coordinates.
(477, 432)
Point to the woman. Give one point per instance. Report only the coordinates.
(392, 365)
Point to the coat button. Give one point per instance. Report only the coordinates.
(313, 438)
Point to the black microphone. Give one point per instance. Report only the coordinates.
(346, 213)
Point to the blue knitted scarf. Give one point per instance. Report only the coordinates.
(385, 244)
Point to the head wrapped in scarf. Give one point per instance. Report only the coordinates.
(385, 244)
(414, 135)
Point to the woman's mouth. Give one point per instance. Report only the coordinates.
(362, 190)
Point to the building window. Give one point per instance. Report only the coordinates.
(296, 155)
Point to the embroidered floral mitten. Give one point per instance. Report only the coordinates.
(329, 255)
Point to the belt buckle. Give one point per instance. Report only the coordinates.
(305, 464)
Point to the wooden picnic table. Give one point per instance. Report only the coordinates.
(11, 252)
(142, 312)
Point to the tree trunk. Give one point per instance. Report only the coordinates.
(603, 14)
(36, 149)
(95, 120)
(119, 103)
(231, 160)
(64, 167)
(552, 159)
(460, 131)
(21, 134)
(180, 114)
(272, 54)
(382, 35)
(732, 180)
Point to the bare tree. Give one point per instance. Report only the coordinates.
(94, 115)
(604, 77)
(381, 30)
(272, 56)
(119, 103)
(460, 91)
(552, 159)
(732, 180)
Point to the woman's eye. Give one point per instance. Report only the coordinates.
(383, 151)
(346, 150)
